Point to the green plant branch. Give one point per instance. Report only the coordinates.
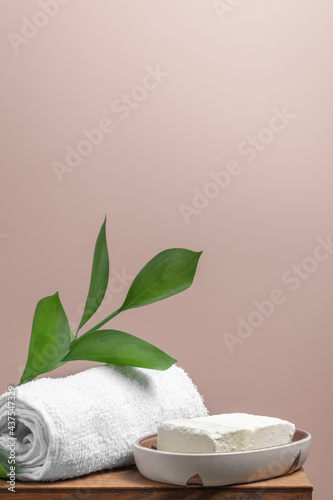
(52, 342)
(101, 323)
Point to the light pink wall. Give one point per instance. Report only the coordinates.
(226, 72)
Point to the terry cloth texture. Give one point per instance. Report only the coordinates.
(86, 422)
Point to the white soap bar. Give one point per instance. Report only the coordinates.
(223, 433)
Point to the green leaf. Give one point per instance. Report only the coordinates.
(50, 338)
(72, 339)
(4, 465)
(168, 273)
(119, 348)
(3, 473)
(99, 277)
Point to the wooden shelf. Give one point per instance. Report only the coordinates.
(127, 484)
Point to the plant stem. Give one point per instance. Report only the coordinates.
(96, 327)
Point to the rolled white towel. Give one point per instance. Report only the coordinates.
(86, 422)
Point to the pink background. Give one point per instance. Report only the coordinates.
(224, 72)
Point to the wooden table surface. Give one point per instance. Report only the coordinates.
(128, 484)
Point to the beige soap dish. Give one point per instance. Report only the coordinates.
(218, 469)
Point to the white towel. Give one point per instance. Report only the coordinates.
(86, 422)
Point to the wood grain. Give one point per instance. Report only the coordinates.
(128, 484)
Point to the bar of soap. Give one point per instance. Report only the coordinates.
(224, 433)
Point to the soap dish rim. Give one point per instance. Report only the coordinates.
(306, 437)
